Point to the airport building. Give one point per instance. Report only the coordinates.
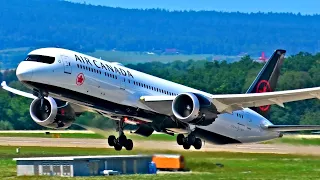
(85, 165)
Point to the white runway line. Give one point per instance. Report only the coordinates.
(262, 148)
(15, 141)
(78, 142)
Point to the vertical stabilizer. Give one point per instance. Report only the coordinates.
(267, 79)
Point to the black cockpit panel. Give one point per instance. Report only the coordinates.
(39, 58)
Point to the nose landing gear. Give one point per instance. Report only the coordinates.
(190, 140)
(122, 140)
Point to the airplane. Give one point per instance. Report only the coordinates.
(66, 83)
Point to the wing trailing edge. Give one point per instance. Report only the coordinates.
(287, 128)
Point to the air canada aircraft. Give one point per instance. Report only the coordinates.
(66, 83)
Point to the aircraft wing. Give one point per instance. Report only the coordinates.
(232, 102)
(18, 92)
(229, 103)
(4, 86)
(286, 128)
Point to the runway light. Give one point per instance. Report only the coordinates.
(18, 150)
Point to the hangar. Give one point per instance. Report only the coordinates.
(84, 165)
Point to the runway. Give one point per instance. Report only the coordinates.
(160, 145)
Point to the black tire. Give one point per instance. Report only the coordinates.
(122, 139)
(180, 138)
(129, 145)
(197, 143)
(111, 140)
(186, 146)
(118, 147)
(191, 139)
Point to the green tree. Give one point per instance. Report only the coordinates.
(5, 125)
(310, 118)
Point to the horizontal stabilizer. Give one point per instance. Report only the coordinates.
(15, 91)
(284, 128)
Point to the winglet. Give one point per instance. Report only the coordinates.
(18, 92)
(3, 84)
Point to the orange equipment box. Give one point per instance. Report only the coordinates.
(169, 162)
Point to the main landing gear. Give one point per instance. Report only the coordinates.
(122, 140)
(190, 140)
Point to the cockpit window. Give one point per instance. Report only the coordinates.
(39, 58)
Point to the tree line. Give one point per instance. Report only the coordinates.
(37, 23)
(218, 77)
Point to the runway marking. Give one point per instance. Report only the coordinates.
(266, 148)
(159, 145)
(15, 141)
(78, 142)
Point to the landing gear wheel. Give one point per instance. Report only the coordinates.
(180, 138)
(186, 146)
(129, 145)
(118, 147)
(191, 139)
(111, 140)
(197, 143)
(122, 139)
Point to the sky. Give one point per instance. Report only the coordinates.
(294, 6)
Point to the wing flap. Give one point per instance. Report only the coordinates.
(287, 128)
(160, 104)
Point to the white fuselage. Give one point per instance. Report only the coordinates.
(116, 83)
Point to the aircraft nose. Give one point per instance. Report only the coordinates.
(24, 71)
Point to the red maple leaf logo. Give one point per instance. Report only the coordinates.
(80, 79)
(264, 86)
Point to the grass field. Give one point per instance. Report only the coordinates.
(202, 164)
(293, 140)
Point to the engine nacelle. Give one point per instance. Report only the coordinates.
(53, 113)
(194, 109)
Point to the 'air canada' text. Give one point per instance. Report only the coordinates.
(105, 66)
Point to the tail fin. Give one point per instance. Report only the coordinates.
(267, 79)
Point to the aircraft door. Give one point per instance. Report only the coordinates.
(248, 120)
(122, 82)
(67, 64)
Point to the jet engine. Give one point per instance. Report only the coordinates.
(52, 113)
(194, 109)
